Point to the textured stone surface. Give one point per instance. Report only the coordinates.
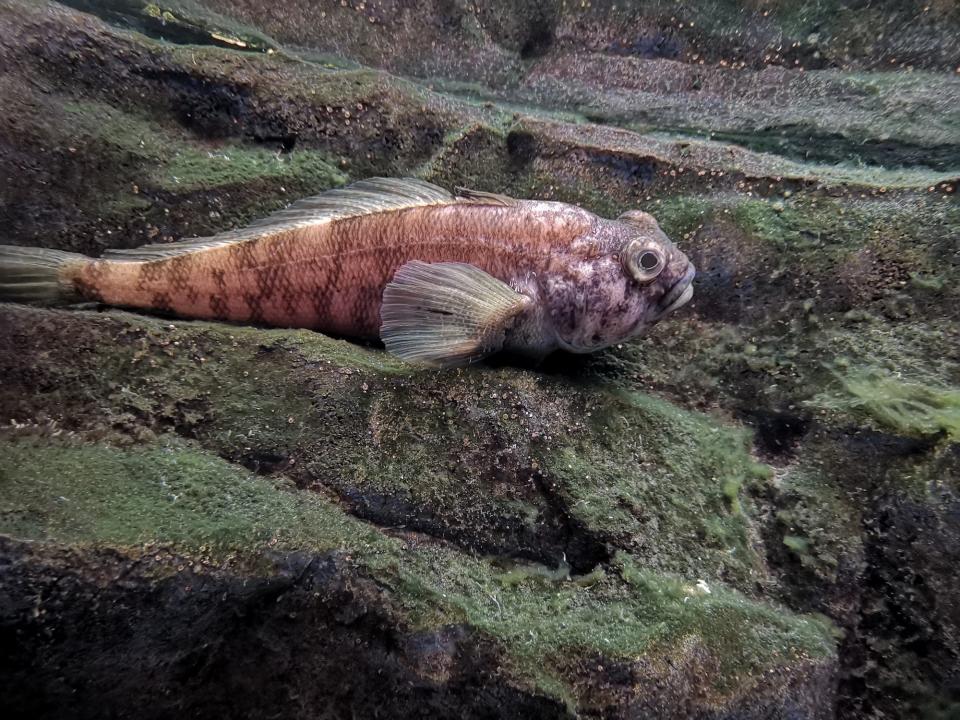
(752, 513)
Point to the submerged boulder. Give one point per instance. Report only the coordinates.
(502, 542)
(749, 514)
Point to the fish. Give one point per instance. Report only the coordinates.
(442, 278)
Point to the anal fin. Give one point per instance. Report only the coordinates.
(446, 314)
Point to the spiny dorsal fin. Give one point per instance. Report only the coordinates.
(446, 314)
(360, 198)
(481, 197)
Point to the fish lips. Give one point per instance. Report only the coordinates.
(679, 295)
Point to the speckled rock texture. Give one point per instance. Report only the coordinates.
(751, 513)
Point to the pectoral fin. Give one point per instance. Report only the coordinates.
(446, 314)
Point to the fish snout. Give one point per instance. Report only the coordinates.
(679, 294)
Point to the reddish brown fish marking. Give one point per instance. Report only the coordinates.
(317, 267)
(330, 277)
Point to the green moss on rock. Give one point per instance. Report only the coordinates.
(907, 408)
(172, 162)
(175, 495)
(170, 493)
(645, 470)
(493, 459)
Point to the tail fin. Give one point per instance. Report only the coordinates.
(35, 275)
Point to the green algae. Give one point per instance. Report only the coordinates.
(933, 283)
(731, 490)
(519, 573)
(169, 493)
(172, 162)
(193, 169)
(680, 216)
(369, 426)
(647, 470)
(643, 615)
(480, 456)
(800, 221)
(738, 630)
(908, 408)
(831, 285)
(916, 349)
(797, 543)
(820, 510)
(326, 412)
(176, 495)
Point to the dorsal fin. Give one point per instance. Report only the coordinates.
(481, 197)
(360, 198)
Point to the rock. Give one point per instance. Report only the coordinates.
(458, 499)
(748, 514)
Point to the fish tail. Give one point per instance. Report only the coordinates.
(38, 276)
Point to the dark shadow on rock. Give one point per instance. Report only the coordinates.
(124, 637)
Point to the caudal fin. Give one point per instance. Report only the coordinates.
(35, 275)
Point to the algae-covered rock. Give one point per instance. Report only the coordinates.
(490, 508)
(751, 513)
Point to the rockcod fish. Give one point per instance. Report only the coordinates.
(442, 279)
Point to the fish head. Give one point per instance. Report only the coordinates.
(662, 274)
(640, 278)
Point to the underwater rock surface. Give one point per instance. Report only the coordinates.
(752, 513)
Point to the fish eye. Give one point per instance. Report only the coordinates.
(643, 263)
(649, 260)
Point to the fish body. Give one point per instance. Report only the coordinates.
(441, 278)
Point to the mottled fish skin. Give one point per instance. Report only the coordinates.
(330, 275)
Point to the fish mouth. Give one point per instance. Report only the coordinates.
(679, 295)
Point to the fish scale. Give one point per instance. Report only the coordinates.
(441, 278)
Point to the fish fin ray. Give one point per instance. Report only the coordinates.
(360, 198)
(159, 251)
(446, 314)
(36, 276)
(481, 197)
